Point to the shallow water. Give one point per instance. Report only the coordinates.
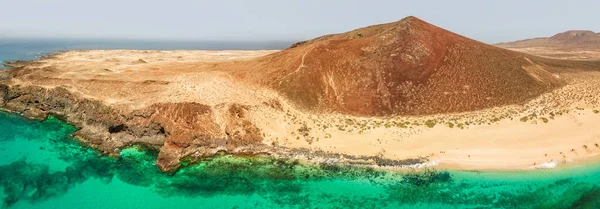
(43, 167)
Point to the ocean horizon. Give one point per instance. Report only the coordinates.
(12, 49)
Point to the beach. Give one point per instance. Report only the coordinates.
(503, 139)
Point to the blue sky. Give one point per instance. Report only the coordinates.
(488, 21)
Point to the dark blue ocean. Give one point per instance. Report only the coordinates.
(12, 49)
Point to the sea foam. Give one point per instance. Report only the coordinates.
(548, 165)
(423, 165)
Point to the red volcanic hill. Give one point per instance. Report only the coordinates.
(574, 39)
(409, 67)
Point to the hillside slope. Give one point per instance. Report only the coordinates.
(409, 67)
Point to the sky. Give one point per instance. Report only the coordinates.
(264, 20)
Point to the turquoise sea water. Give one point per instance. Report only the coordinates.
(41, 166)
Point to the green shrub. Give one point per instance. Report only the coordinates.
(430, 123)
(451, 125)
(524, 119)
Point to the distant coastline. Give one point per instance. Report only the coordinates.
(150, 44)
(14, 48)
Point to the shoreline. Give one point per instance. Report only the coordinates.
(492, 157)
(409, 164)
(122, 117)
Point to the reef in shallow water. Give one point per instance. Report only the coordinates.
(41, 161)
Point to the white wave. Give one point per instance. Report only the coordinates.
(548, 165)
(423, 165)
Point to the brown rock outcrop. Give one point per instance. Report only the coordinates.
(177, 129)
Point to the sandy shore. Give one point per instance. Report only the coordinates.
(504, 145)
(554, 129)
(557, 128)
